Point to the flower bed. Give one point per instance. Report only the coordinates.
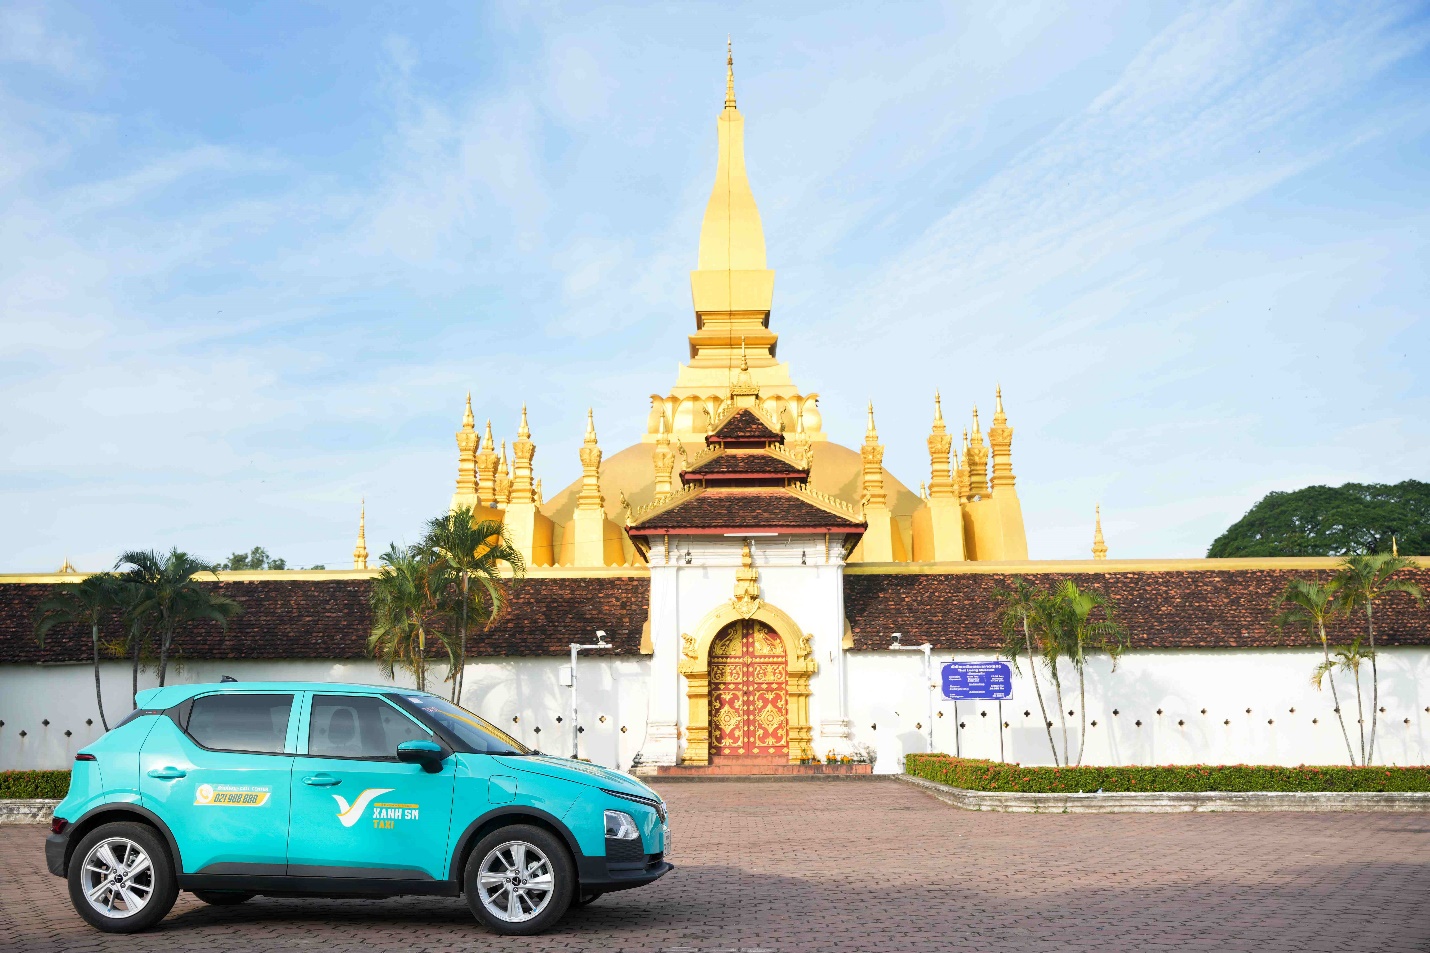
(33, 784)
(977, 775)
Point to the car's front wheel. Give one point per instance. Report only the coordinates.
(121, 878)
(519, 880)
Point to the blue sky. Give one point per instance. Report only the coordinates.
(253, 255)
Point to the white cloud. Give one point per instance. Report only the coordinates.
(27, 39)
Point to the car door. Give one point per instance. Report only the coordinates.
(219, 774)
(358, 812)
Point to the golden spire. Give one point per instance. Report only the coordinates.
(1099, 545)
(486, 465)
(503, 480)
(360, 550)
(664, 460)
(744, 391)
(67, 567)
(466, 493)
(731, 235)
(976, 457)
(1394, 547)
(1000, 439)
(729, 74)
(998, 414)
(941, 483)
(872, 453)
(523, 451)
(798, 443)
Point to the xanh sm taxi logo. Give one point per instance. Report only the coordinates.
(384, 815)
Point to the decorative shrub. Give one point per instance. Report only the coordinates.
(978, 775)
(34, 784)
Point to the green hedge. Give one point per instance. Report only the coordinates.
(977, 775)
(34, 784)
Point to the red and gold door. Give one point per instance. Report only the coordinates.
(749, 694)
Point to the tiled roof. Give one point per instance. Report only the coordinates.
(737, 462)
(1171, 609)
(331, 619)
(741, 509)
(745, 426)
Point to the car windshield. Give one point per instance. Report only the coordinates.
(475, 731)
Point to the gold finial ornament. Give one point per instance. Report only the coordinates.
(503, 479)
(67, 568)
(521, 490)
(486, 463)
(941, 483)
(1000, 439)
(360, 550)
(747, 585)
(976, 459)
(664, 460)
(729, 73)
(1394, 547)
(1099, 545)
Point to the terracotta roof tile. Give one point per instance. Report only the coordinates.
(1175, 609)
(735, 462)
(745, 425)
(741, 509)
(331, 619)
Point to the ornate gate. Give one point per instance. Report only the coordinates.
(749, 693)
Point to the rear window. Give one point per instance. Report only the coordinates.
(234, 722)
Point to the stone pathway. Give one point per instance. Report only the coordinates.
(856, 865)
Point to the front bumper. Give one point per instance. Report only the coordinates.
(56, 847)
(599, 874)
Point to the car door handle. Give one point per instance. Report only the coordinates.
(168, 773)
(321, 780)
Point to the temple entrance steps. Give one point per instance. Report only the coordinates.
(749, 769)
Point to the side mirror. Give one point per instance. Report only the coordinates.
(426, 753)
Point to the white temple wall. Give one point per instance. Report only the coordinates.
(884, 688)
(528, 690)
(887, 705)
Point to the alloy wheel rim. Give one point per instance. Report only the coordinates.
(117, 877)
(515, 881)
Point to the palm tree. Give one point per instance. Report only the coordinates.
(406, 609)
(1349, 659)
(1362, 580)
(1016, 608)
(1312, 604)
(1084, 623)
(472, 549)
(169, 593)
(87, 602)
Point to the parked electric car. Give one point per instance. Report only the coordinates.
(245, 788)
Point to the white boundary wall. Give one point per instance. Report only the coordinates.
(886, 708)
(886, 705)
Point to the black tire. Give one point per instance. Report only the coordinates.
(224, 898)
(122, 839)
(496, 850)
(585, 899)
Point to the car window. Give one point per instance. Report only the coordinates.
(475, 731)
(359, 726)
(246, 722)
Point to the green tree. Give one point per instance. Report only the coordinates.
(169, 593)
(1332, 521)
(137, 616)
(406, 609)
(1083, 624)
(1349, 659)
(472, 551)
(1306, 603)
(257, 558)
(88, 602)
(1022, 610)
(1361, 581)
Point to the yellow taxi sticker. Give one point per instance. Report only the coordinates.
(231, 795)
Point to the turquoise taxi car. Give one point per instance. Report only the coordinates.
(238, 789)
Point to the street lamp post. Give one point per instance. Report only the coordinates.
(927, 649)
(576, 649)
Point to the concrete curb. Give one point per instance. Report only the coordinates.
(1174, 802)
(36, 811)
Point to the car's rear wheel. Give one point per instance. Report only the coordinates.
(519, 880)
(223, 898)
(121, 878)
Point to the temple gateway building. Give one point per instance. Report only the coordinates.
(759, 587)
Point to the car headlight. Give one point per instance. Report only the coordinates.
(621, 826)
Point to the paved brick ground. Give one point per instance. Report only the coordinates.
(873, 865)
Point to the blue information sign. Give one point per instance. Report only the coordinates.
(992, 681)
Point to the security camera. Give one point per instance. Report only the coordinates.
(600, 635)
(897, 637)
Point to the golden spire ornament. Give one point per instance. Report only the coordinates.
(729, 74)
(360, 550)
(1099, 545)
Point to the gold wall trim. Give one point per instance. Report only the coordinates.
(1028, 566)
